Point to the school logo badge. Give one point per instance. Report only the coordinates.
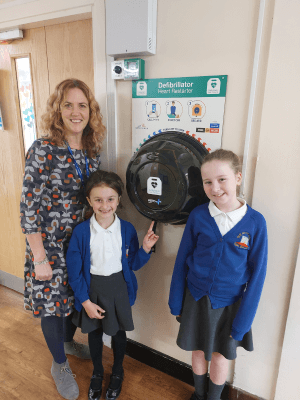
(243, 242)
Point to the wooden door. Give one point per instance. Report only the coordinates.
(70, 52)
(56, 52)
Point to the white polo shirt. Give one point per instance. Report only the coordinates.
(227, 221)
(105, 248)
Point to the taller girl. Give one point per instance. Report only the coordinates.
(218, 275)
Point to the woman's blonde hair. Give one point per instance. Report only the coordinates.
(52, 123)
(224, 155)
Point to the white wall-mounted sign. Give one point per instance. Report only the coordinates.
(192, 105)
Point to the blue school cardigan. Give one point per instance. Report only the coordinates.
(79, 261)
(226, 268)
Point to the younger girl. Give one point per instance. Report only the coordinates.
(218, 275)
(102, 255)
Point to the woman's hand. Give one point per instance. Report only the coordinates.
(93, 310)
(150, 239)
(43, 272)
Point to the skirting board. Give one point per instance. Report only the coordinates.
(12, 282)
(177, 369)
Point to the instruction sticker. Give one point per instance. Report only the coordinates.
(193, 105)
(154, 186)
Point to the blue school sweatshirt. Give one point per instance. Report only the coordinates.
(225, 268)
(79, 261)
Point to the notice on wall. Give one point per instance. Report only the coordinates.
(192, 105)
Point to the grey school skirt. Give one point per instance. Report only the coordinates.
(110, 293)
(207, 329)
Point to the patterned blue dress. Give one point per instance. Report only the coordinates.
(52, 202)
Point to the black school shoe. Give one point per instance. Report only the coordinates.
(96, 382)
(114, 387)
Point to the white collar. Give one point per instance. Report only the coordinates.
(112, 228)
(233, 215)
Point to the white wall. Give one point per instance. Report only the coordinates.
(22, 12)
(194, 38)
(290, 356)
(276, 195)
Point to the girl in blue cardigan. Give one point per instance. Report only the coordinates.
(218, 275)
(102, 255)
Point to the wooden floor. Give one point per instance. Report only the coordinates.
(25, 363)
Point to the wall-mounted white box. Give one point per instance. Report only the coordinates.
(131, 27)
(11, 35)
(117, 69)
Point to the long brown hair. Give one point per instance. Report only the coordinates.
(52, 123)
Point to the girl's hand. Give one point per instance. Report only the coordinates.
(150, 239)
(93, 310)
(43, 272)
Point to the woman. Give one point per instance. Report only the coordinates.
(52, 203)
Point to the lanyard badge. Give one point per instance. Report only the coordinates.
(81, 194)
(77, 166)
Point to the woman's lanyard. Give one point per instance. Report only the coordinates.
(77, 166)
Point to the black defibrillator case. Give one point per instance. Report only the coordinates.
(163, 178)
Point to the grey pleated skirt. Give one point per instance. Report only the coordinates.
(110, 293)
(207, 329)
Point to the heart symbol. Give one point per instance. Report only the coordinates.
(25, 111)
(142, 86)
(27, 119)
(154, 184)
(214, 84)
